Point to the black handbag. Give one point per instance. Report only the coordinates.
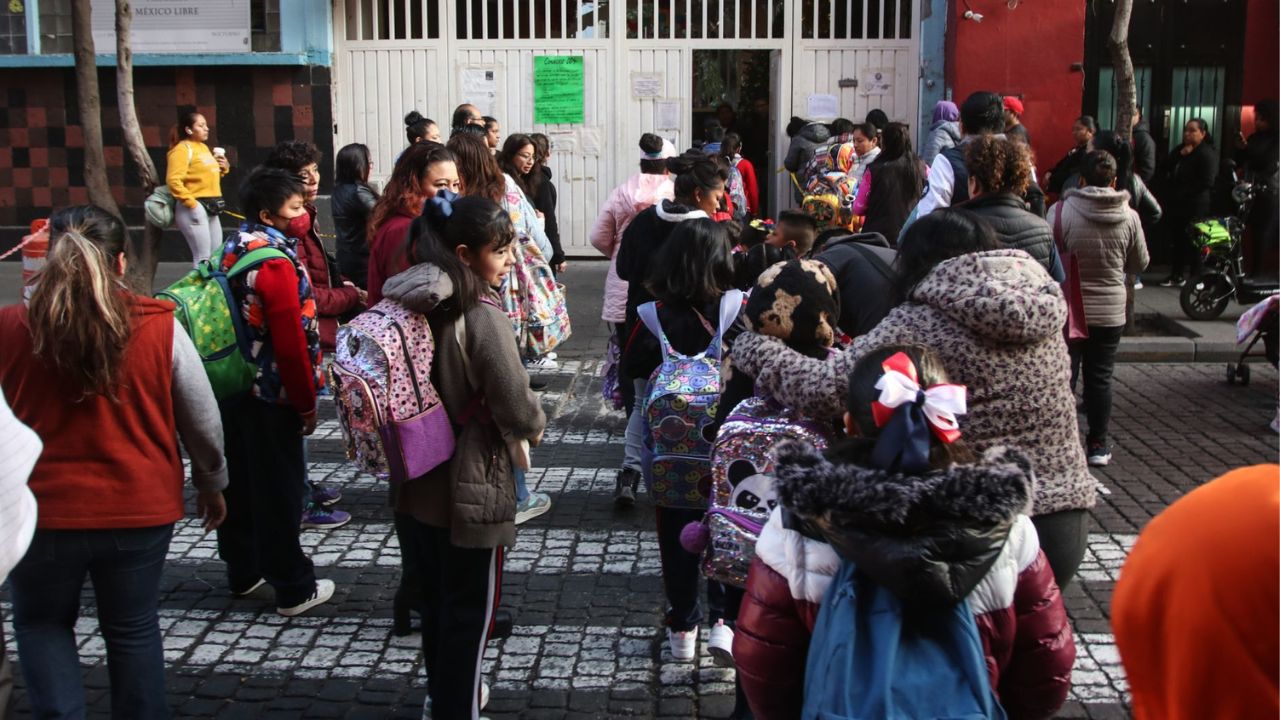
(213, 205)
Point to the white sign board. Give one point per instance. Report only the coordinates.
(176, 26)
(479, 86)
(646, 85)
(822, 106)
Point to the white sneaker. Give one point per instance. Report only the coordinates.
(543, 363)
(484, 700)
(684, 645)
(720, 644)
(324, 591)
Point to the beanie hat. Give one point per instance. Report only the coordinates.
(797, 302)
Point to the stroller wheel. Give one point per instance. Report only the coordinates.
(1231, 373)
(1242, 373)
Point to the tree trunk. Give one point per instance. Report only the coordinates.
(1126, 87)
(1126, 106)
(145, 254)
(95, 164)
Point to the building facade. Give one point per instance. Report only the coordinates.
(342, 71)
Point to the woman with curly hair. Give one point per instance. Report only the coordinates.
(999, 174)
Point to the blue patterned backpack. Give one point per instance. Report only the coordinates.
(679, 409)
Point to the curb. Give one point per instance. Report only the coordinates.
(1183, 344)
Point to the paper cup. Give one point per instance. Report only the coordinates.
(219, 152)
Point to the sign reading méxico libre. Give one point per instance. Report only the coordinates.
(177, 26)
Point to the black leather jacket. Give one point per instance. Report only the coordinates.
(352, 204)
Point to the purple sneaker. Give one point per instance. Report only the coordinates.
(326, 496)
(316, 517)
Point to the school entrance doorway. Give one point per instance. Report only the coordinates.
(819, 59)
(735, 90)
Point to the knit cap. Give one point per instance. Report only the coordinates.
(797, 302)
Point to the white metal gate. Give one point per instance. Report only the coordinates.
(394, 56)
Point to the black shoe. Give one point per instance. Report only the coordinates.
(624, 488)
(1172, 281)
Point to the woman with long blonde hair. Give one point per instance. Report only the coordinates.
(109, 382)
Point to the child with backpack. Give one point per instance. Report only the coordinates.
(456, 520)
(692, 279)
(929, 550)
(265, 427)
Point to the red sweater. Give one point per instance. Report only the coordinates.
(385, 256)
(750, 186)
(105, 464)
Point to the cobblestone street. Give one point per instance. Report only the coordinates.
(583, 581)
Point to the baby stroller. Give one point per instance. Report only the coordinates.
(1260, 322)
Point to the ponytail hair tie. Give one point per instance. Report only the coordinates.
(440, 207)
(908, 415)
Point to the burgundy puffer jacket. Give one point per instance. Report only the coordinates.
(1025, 632)
(331, 302)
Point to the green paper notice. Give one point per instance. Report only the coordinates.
(557, 89)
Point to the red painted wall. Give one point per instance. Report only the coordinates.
(1027, 51)
(1261, 61)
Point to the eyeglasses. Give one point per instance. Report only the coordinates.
(525, 156)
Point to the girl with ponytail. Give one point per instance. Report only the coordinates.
(108, 381)
(455, 523)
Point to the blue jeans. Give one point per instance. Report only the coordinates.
(522, 487)
(125, 567)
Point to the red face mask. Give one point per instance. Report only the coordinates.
(300, 226)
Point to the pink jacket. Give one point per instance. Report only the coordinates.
(624, 203)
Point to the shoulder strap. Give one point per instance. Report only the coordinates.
(730, 307)
(876, 261)
(648, 313)
(1057, 225)
(254, 258)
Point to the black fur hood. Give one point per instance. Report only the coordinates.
(929, 538)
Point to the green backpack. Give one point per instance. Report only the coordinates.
(208, 311)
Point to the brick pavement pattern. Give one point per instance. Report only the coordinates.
(583, 580)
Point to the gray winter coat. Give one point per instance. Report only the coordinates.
(1105, 234)
(474, 493)
(803, 144)
(995, 319)
(943, 134)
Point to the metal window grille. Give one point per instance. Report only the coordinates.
(705, 19)
(13, 29)
(55, 27)
(392, 19)
(1197, 93)
(264, 25)
(533, 19)
(855, 20)
(1106, 113)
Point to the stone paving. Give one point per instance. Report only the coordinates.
(583, 580)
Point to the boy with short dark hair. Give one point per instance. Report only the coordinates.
(265, 426)
(794, 230)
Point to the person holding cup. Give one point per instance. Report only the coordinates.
(194, 176)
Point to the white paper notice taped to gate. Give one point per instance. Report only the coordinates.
(877, 81)
(666, 115)
(822, 106)
(479, 86)
(646, 86)
(564, 142)
(589, 141)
